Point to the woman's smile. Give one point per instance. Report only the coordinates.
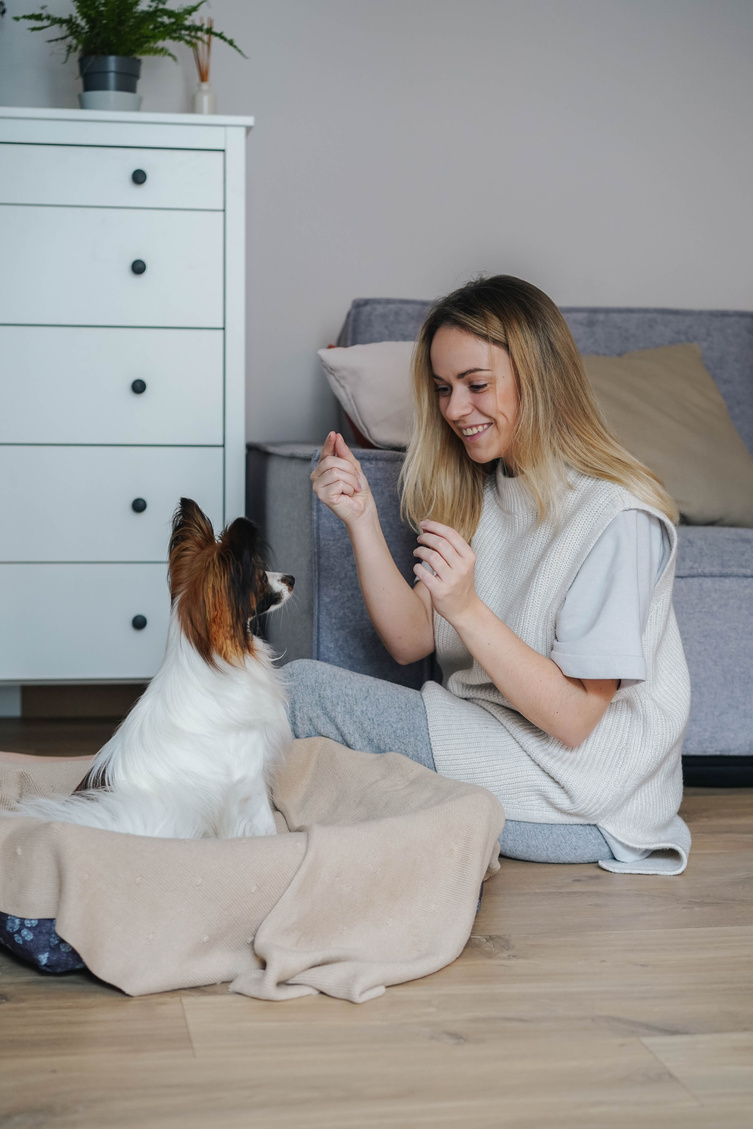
(472, 432)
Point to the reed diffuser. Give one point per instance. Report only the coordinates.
(204, 99)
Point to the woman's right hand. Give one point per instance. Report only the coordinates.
(339, 482)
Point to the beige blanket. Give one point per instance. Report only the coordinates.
(373, 880)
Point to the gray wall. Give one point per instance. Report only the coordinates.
(600, 148)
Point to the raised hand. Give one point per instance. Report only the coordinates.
(453, 561)
(339, 482)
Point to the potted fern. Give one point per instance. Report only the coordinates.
(110, 38)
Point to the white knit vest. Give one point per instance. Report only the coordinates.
(626, 777)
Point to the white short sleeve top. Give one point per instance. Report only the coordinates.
(600, 624)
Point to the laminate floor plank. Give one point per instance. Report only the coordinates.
(710, 1065)
(354, 1081)
(716, 890)
(21, 984)
(91, 1027)
(530, 986)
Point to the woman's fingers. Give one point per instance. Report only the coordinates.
(335, 448)
(452, 561)
(437, 568)
(336, 476)
(455, 551)
(436, 529)
(441, 546)
(336, 452)
(331, 463)
(328, 447)
(343, 451)
(338, 481)
(424, 575)
(440, 564)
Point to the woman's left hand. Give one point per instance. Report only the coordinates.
(452, 589)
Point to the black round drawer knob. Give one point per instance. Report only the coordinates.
(138, 386)
(138, 176)
(138, 623)
(138, 266)
(138, 505)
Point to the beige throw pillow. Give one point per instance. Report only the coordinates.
(666, 409)
(373, 384)
(661, 403)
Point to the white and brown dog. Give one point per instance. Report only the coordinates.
(192, 758)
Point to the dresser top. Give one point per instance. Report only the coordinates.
(44, 113)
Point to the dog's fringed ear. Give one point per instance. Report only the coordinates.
(241, 538)
(192, 532)
(243, 568)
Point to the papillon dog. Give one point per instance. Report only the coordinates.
(193, 757)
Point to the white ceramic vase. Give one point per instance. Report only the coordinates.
(204, 99)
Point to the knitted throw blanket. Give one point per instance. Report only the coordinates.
(373, 879)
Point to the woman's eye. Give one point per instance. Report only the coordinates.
(477, 387)
(442, 389)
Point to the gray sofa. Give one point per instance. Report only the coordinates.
(714, 584)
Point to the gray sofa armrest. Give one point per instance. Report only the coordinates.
(713, 601)
(278, 499)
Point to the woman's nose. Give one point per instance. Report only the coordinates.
(459, 403)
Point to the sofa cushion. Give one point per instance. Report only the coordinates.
(372, 383)
(665, 408)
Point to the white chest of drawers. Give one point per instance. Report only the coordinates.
(122, 374)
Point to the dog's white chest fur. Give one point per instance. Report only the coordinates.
(200, 744)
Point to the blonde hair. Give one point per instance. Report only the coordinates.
(558, 426)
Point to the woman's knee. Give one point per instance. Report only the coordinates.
(297, 670)
(306, 682)
(302, 675)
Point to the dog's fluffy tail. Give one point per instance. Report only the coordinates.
(130, 812)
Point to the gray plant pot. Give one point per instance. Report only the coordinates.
(109, 82)
(109, 72)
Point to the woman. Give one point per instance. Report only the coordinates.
(545, 563)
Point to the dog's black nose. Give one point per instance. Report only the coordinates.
(288, 581)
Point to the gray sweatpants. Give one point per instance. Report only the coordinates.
(379, 717)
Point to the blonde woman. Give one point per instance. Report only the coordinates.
(545, 560)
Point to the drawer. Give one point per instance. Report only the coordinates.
(91, 176)
(73, 385)
(60, 622)
(72, 266)
(75, 503)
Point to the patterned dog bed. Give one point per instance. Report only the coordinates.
(35, 941)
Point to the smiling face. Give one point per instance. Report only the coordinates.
(477, 391)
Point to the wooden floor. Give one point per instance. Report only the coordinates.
(583, 999)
